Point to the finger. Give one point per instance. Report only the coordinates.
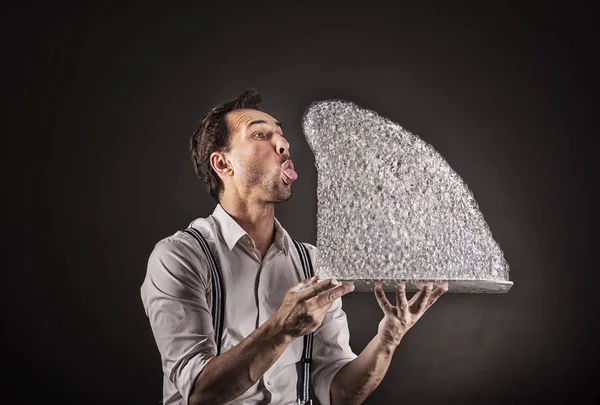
(321, 310)
(420, 286)
(416, 295)
(328, 296)
(421, 301)
(401, 301)
(319, 287)
(385, 305)
(304, 284)
(437, 293)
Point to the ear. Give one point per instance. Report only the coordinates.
(221, 164)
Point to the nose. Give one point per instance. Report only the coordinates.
(281, 145)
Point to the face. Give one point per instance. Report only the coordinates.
(258, 157)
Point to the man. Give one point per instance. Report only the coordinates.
(242, 156)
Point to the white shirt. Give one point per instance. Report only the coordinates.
(176, 294)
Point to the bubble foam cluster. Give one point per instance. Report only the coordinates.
(389, 206)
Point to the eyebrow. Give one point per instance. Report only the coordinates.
(263, 122)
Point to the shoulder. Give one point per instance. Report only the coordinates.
(312, 253)
(312, 249)
(185, 242)
(180, 252)
(310, 246)
(179, 242)
(206, 226)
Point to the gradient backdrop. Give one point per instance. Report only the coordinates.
(108, 96)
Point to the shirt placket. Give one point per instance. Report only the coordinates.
(263, 295)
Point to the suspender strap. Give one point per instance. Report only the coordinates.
(218, 308)
(304, 380)
(218, 303)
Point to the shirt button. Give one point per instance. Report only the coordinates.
(269, 383)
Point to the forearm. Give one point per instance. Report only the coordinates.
(356, 380)
(227, 376)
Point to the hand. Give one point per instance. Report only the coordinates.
(304, 305)
(400, 318)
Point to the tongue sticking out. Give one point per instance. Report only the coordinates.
(289, 176)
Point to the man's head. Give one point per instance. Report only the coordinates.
(241, 149)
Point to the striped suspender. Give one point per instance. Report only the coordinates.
(217, 304)
(218, 309)
(304, 381)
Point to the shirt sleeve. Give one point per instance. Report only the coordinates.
(174, 298)
(331, 346)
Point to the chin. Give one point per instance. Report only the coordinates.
(280, 192)
(287, 196)
(282, 195)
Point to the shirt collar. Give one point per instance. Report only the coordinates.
(232, 232)
(281, 238)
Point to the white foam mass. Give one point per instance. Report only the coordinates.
(389, 206)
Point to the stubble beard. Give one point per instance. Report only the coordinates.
(276, 191)
(272, 188)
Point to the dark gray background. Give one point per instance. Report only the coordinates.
(106, 98)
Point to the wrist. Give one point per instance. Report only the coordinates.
(277, 332)
(387, 348)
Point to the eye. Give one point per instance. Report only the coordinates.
(259, 135)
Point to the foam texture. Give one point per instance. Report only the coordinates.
(389, 206)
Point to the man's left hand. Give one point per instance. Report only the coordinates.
(401, 317)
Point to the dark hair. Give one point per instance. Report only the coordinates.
(212, 135)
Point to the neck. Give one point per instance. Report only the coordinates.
(257, 219)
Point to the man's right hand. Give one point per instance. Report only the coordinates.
(304, 305)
